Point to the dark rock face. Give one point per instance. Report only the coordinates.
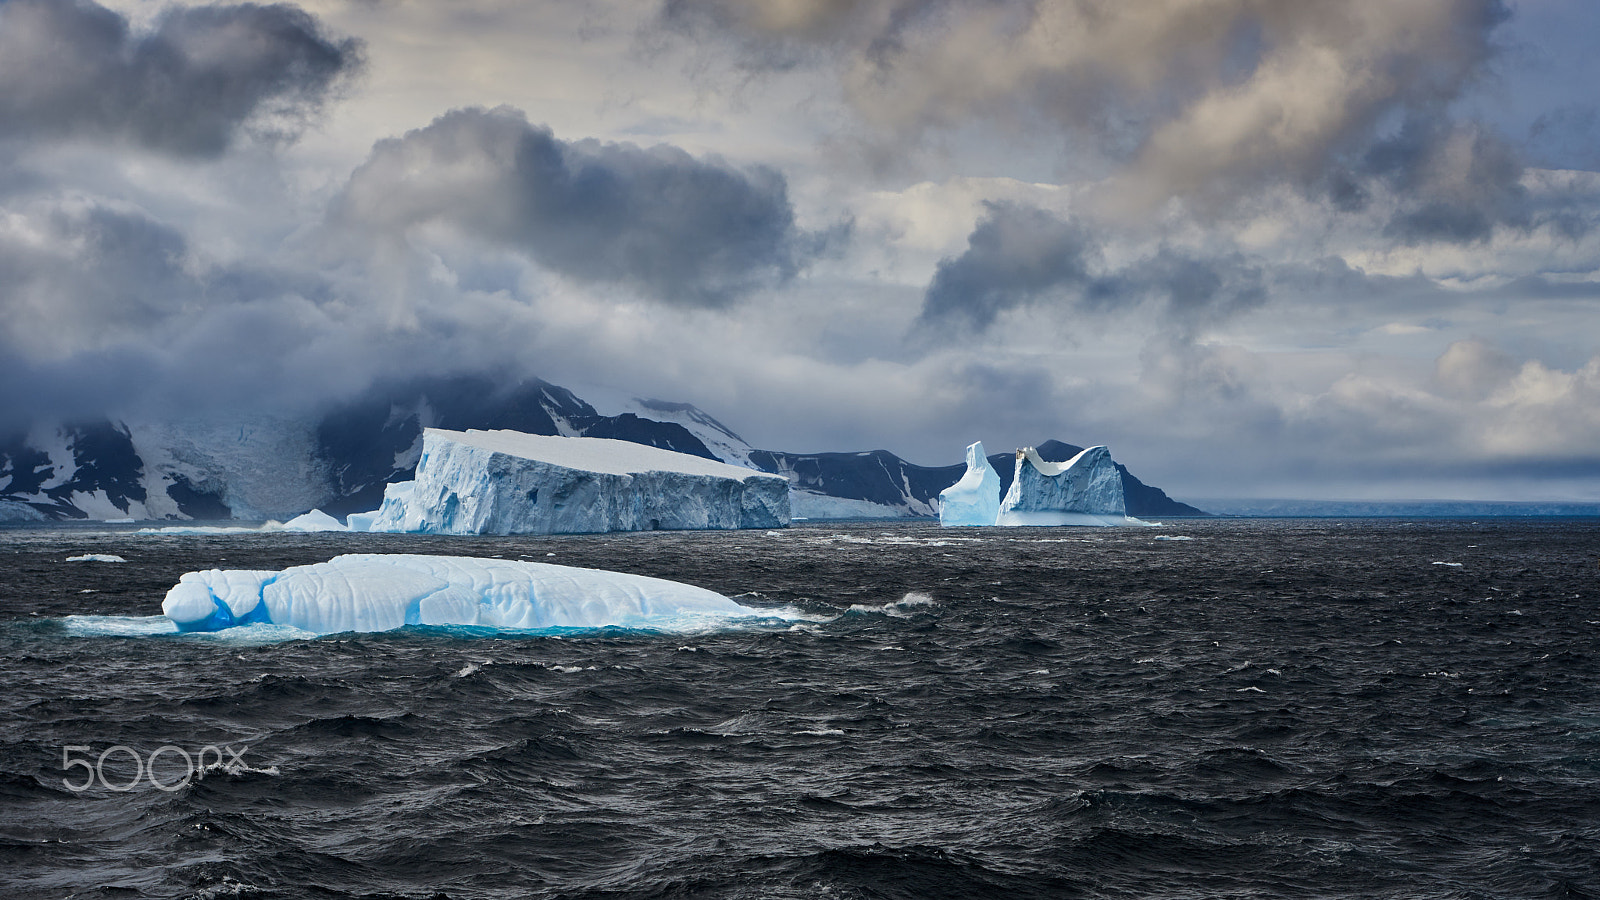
(877, 476)
(197, 503)
(377, 439)
(629, 427)
(23, 469)
(102, 459)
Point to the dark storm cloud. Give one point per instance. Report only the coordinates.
(187, 86)
(75, 273)
(1020, 256)
(687, 230)
(1017, 255)
(104, 307)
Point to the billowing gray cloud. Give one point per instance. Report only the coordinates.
(687, 230)
(1020, 256)
(76, 274)
(1206, 101)
(1456, 182)
(186, 86)
(1567, 138)
(104, 306)
(1017, 255)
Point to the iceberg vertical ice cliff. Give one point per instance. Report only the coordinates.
(505, 482)
(975, 499)
(1085, 490)
(379, 592)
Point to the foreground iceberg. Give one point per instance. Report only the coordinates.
(506, 482)
(975, 499)
(1084, 490)
(379, 592)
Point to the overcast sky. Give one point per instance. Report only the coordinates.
(1257, 247)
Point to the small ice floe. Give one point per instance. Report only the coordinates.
(1456, 565)
(1172, 537)
(899, 609)
(97, 557)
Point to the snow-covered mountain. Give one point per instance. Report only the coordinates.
(256, 469)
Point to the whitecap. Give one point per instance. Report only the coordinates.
(118, 626)
(898, 608)
(161, 626)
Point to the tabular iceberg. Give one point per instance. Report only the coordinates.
(379, 592)
(505, 482)
(1085, 490)
(975, 499)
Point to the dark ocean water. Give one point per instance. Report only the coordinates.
(1269, 708)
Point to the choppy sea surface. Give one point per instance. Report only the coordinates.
(1219, 708)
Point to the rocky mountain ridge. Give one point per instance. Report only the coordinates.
(340, 462)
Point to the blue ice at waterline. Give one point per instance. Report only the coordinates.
(370, 592)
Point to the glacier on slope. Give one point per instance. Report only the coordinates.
(379, 592)
(1085, 490)
(975, 499)
(505, 482)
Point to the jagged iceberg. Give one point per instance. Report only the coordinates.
(975, 499)
(379, 592)
(505, 482)
(1084, 490)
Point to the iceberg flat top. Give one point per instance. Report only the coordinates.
(611, 457)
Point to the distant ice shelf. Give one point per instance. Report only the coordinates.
(506, 482)
(380, 592)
